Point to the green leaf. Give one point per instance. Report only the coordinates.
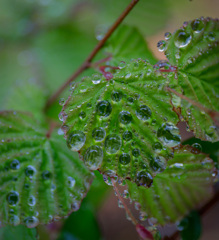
(122, 126)
(194, 49)
(84, 222)
(40, 179)
(17, 233)
(190, 227)
(127, 43)
(185, 184)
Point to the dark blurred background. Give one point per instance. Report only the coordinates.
(42, 42)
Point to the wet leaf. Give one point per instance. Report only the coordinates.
(41, 180)
(185, 184)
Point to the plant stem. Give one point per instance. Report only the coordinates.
(86, 63)
(123, 202)
(52, 126)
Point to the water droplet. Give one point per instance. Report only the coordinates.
(127, 136)
(96, 79)
(31, 222)
(30, 171)
(158, 164)
(82, 115)
(182, 38)
(104, 108)
(15, 164)
(124, 159)
(31, 201)
(161, 45)
(157, 146)
(120, 205)
(12, 198)
(14, 220)
(70, 182)
(197, 25)
(136, 152)
(125, 117)
(211, 36)
(122, 65)
(61, 101)
(130, 100)
(89, 105)
(116, 96)
(167, 35)
(93, 157)
(125, 194)
(98, 134)
(144, 179)
(76, 140)
(169, 134)
(143, 112)
(113, 143)
(197, 147)
(46, 175)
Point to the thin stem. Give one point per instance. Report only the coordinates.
(52, 126)
(123, 202)
(86, 63)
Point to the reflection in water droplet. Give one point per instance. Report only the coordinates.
(113, 143)
(158, 164)
(197, 147)
(182, 39)
(143, 112)
(70, 182)
(116, 96)
(167, 35)
(136, 152)
(161, 45)
(31, 222)
(98, 134)
(169, 134)
(125, 117)
(31, 201)
(197, 25)
(46, 175)
(82, 115)
(96, 79)
(130, 100)
(76, 140)
(12, 198)
(30, 171)
(122, 65)
(61, 101)
(211, 36)
(127, 136)
(15, 164)
(93, 157)
(124, 159)
(157, 146)
(144, 179)
(14, 220)
(104, 108)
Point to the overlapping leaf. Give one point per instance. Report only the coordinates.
(194, 49)
(41, 180)
(184, 185)
(123, 126)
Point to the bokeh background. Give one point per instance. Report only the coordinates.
(42, 42)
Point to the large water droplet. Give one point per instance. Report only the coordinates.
(136, 152)
(96, 79)
(31, 222)
(113, 143)
(143, 112)
(144, 179)
(211, 36)
(46, 175)
(167, 35)
(76, 140)
(30, 171)
(31, 201)
(169, 134)
(104, 108)
(158, 164)
(93, 157)
(157, 146)
(161, 45)
(116, 96)
(124, 159)
(12, 198)
(125, 117)
(197, 148)
(98, 134)
(127, 136)
(82, 115)
(182, 39)
(14, 220)
(197, 25)
(15, 164)
(70, 182)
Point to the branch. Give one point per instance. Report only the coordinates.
(86, 63)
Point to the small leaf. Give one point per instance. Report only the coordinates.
(190, 227)
(124, 127)
(40, 179)
(184, 185)
(17, 233)
(127, 43)
(194, 50)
